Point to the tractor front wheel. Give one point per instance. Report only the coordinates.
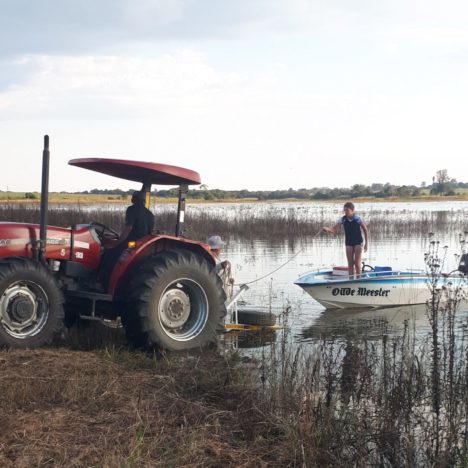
(176, 302)
(31, 305)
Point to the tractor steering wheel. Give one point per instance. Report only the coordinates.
(105, 232)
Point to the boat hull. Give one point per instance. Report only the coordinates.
(372, 291)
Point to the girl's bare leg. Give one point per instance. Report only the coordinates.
(357, 258)
(350, 258)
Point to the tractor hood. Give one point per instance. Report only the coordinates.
(138, 171)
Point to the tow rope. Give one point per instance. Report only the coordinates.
(278, 268)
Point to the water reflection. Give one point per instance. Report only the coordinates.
(372, 323)
(356, 324)
(249, 340)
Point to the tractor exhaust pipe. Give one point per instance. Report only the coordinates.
(183, 190)
(44, 201)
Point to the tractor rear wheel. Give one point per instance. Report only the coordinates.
(31, 304)
(176, 302)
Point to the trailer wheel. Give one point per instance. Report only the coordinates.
(31, 304)
(176, 302)
(256, 317)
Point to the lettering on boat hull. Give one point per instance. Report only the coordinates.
(360, 291)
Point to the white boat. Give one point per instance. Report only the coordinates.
(380, 288)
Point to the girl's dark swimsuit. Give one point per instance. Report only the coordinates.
(352, 229)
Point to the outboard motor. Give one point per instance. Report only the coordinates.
(463, 265)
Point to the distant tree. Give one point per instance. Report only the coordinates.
(375, 188)
(442, 182)
(359, 190)
(442, 176)
(404, 191)
(389, 190)
(321, 196)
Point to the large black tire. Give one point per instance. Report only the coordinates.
(31, 304)
(256, 317)
(175, 302)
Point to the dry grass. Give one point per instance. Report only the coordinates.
(119, 408)
(95, 198)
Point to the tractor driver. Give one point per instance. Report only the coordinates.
(139, 222)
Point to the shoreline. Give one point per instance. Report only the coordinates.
(80, 199)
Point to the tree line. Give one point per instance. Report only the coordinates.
(442, 184)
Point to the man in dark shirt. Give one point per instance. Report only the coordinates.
(139, 222)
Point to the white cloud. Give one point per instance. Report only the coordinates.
(88, 26)
(133, 85)
(447, 38)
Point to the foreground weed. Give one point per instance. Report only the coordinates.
(391, 401)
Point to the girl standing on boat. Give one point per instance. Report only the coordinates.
(353, 225)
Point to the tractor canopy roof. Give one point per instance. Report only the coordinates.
(139, 171)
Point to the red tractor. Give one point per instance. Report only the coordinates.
(164, 288)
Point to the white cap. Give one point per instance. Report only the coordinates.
(215, 242)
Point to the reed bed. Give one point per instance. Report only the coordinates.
(273, 224)
(368, 403)
(364, 402)
(359, 401)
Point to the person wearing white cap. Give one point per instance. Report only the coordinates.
(223, 268)
(216, 244)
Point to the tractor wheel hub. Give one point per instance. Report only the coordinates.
(18, 307)
(174, 308)
(21, 308)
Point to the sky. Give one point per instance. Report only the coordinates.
(252, 94)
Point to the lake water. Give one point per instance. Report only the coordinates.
(307, 319)
(254, 258)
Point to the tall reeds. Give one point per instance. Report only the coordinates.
(274, 223)
(393, 401)
(447, 352)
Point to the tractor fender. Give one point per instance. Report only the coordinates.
(134, 256)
